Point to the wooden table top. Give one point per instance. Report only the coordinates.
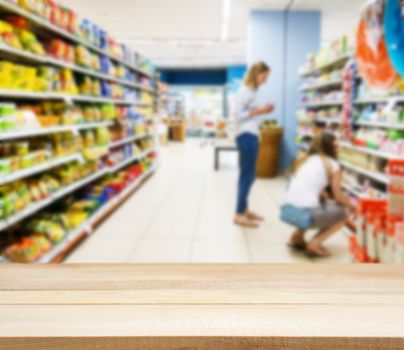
(202, 307)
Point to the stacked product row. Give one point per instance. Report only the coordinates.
(74, 132)
(69, 26)
(322, 96)
(59, 67)
(33, 240)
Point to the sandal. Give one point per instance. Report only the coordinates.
(297, 246)
(317, 252)
(245, 222)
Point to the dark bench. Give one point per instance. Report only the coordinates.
(222, 148)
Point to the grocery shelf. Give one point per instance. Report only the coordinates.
(44, 24)
(370, 174)
(350, 189)
(34, 58)
(87, 227)
(128, 140)
(323, 104)
(18, 134)
(383, 125)
(334, 63)
(26, 213)
(370, 100)
(31, 171)
(20, 94)
(63, 245)
(320, 86)
(369, 151)
(329, 120)
(130, 160)
(81, 183)
(34, 208)
(103, 211)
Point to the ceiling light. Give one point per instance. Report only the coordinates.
(226, 19)
(226, 10)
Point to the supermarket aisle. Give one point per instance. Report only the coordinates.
(184, 214)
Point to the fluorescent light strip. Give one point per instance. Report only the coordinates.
(226, 10)
(226, 18)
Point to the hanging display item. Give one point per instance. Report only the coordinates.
(373, 59)
(394, 33)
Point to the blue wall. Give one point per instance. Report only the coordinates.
(283, 40)
(194, 77)
(235, 75)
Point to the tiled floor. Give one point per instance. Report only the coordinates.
(184, 214)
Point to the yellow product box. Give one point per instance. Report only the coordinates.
(6, 75)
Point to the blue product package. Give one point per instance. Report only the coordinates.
(394, 34)
(105, 89)
(104, 39)
(96, 35)
(85, 28)
(105, 64)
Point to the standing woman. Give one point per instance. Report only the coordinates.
(246, 113)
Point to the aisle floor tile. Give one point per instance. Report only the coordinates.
(184, 213)
(219, 252)
(162, 251)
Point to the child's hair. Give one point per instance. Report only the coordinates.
(251, 77)
(321, 145)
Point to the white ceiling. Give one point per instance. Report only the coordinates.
(187, 33)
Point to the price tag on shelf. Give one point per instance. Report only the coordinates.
(88, 228)
(81, 159)
(68, 100)
(74, 131)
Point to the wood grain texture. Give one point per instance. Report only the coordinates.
(202, 307)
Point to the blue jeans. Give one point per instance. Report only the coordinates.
(247, 145)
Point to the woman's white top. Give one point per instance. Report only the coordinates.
(305, 187)
(244, 101)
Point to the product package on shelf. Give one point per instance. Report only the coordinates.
(396, 206)
(70, 92)
(36, 237)
(340, 48)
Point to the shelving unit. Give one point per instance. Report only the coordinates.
(381, 125)
(381, 178)
(352, 191)
(322, 81)
(320, 86)
(87, 227)
(46, 96)
(21, 174)
(43, 24)
(335, 63)
(33, 58)
(24, 134)
(128, 140)
(369, 151)
(140, 97)
(33, 209)
(323, 104)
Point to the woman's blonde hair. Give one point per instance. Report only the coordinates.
(321, 145)
(252, 74)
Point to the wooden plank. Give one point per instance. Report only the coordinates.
(202, 307)
(195, 296)
(204, 343)
(201, 320)
(236, 277)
